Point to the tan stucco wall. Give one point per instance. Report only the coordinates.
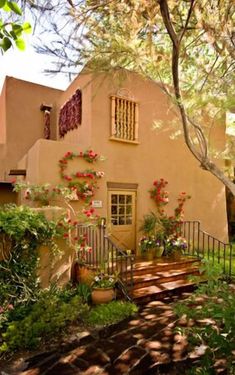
(156, 155)
(24, 120)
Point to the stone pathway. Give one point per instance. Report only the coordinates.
(146, 344)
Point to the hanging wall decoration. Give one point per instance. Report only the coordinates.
(47, 125)
(71, 114)
(46, 109)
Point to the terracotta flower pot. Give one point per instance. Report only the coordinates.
(102, 295)
(149, 254)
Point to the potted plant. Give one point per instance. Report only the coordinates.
(151, 247)
(151, 242)
(103, 288)
(83, 273)
(175, 246)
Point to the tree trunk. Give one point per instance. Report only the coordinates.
(200, 155)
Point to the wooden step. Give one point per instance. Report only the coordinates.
(164, 264)
(152, 278)
(161, 277)
(160, 291)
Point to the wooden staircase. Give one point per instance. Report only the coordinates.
(162, 277)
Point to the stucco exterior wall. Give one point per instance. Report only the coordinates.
(24, 120)
(156, 156)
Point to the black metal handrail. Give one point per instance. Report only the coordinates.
(106, 254)
(204, 245)
(120, 262)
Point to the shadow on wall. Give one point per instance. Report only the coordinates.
(6, 193)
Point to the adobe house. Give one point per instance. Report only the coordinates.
(114, 115)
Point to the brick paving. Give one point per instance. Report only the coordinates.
(146, 344)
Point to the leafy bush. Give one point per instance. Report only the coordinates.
(43, 319)
(110, 313)
(22, 230)
(84, 291)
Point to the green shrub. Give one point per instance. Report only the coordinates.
(22, 230)
(43, 319)
(110, 313)
(84, 291)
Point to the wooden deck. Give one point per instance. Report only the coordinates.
(162, 277)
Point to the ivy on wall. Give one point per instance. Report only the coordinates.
(71, 114)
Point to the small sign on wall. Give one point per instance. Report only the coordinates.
(97, 204)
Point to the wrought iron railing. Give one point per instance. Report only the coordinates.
(206, 246)
(106, 255)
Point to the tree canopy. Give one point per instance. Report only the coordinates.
(11, 26)
(185, 44)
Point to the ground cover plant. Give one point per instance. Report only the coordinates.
(110, 313)
(27, 326)
(210, 312)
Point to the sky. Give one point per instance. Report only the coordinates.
(28, 65)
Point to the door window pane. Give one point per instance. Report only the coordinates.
(121, 199)
(128, 220)
(114, 198)
(121, 209)
(114, 220)
(128, 199)
(121, 220)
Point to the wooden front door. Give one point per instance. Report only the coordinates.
(121, 218)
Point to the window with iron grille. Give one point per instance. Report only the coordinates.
(124, 119)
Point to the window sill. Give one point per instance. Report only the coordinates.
(123, 140)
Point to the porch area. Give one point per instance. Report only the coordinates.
(162, 277)
(142, 280)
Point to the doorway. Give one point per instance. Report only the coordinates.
(122, 217)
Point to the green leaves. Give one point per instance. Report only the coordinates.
(11, 32)
(27, 28)
(20, 43)
(14, 7)
(5, 44)
(2, 3)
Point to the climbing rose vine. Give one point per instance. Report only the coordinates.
(171, 225)
(85, 188)
(161, 198)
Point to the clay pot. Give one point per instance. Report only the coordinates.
(102, 295)
(150, 253)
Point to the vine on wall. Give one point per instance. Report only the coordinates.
(85, 188)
